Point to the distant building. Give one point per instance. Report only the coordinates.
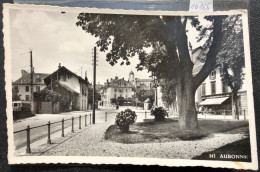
(22, 86)
(73, 83)
(140, 84)
(116, 88)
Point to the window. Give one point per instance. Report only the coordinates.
(38, 80)
(115, 90)
(213, 87)
(27, 97)
(26, 88)
(114, 95)
(213, 75)
(126, 90)
(64, 78)
(38, 88)
(224, 87)
(203, 89)
(220, 71)
(16, 89)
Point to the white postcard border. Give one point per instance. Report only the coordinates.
(126, 160)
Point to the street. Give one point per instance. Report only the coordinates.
(42, 119)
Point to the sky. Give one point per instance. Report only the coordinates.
(54, 38)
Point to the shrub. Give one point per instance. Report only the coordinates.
(124, 119)
(159, 113)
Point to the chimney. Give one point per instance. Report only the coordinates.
(59, 65)
(86, 76)
(23, 72)
(116, 77)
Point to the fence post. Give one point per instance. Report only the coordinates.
(72, 125)
(106, 117)
(80, 122)
(244, 114)
(85, 120)
(28, 147)
(90, 118)
(49, 133)
(145, 114)
(224, 113)
(205, 114)
(62, 127)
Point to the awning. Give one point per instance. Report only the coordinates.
(214, 101)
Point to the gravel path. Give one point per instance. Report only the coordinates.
(91, 142)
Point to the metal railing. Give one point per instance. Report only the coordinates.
(72, 119)
(223, 113)
(28, 128)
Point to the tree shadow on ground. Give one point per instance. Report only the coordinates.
(236, 151)
(168, 131)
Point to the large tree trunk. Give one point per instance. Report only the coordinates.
(235, 109)
(186, 104)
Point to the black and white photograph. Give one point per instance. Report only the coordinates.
(104, 86)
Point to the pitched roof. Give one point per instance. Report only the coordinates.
(115, 83)
(26, 79)
(64, 69)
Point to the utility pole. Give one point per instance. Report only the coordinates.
(31, 65)
(94, 84)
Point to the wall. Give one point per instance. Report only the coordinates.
(23, 93)
(72, 82)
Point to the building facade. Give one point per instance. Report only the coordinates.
(140, 84)
(74, 83)
(215, 95)
(116, 88)
(22, 86)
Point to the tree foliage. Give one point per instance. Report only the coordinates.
(161, 44)
(231, 58)
(15, 95)
(54, 93)
(142, 95)
(90, 95)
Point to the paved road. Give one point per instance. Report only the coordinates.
(42, 119)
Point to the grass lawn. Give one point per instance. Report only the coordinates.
(241, 147)
(168, 130)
